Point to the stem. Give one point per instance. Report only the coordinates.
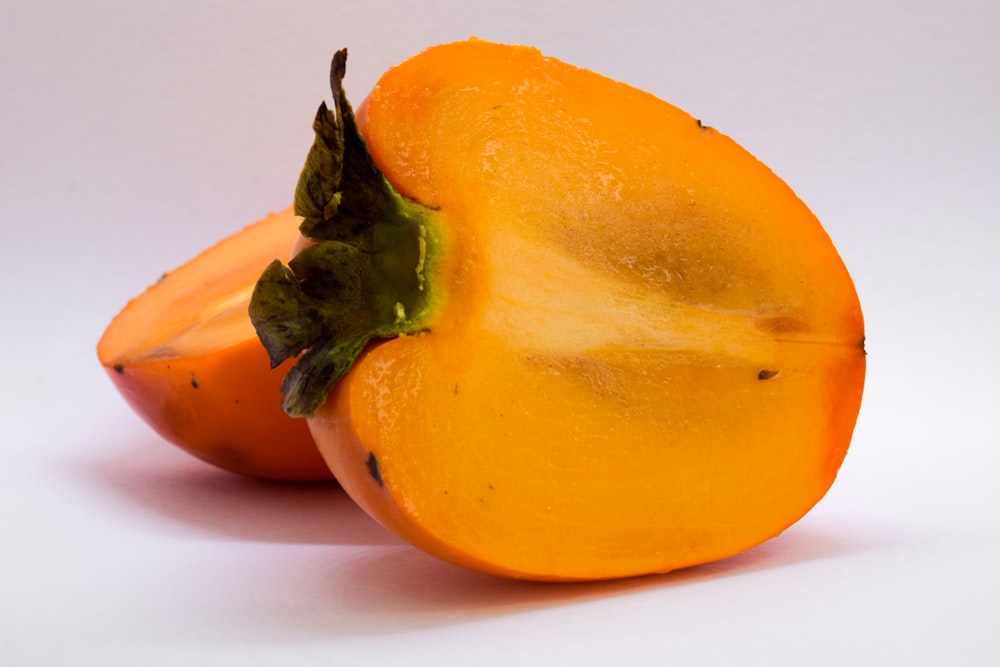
(363, 278)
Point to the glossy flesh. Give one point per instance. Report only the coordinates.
(186, 358)
(651, 354)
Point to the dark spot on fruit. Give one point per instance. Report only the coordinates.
(231, 456)
(373, 470)
(702, 125)
(766, 374)
(118, 368)
(194, 382)
(455, 390)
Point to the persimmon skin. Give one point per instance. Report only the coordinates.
(218, 400)
(220, 408)
(650, 355)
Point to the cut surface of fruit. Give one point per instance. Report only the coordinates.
(186, 358)
(645, 351)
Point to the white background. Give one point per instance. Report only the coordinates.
(132, 134)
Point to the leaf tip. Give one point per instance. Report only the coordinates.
(338, 69)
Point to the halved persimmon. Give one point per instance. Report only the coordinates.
(185, 356)
(553, 327)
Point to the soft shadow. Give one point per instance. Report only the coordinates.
(415, 590)
(361, 580)
(398, 589)
(155, 477)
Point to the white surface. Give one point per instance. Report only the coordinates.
(133, 134)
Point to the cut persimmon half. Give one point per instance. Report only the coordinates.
(185, 357)
(549, 326)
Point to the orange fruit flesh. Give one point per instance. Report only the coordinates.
(186, 358)
(603, 464)
(651, 354)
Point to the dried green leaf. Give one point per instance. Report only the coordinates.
(308, 383)
(282, 314)
(364, 276)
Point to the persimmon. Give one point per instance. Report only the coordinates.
(185, 356)
(550, 326)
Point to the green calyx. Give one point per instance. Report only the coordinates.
(363, 275)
